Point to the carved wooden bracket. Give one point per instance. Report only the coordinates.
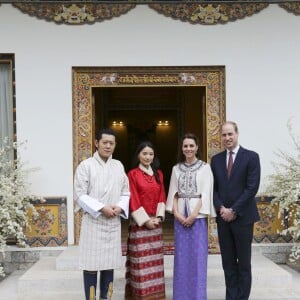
(209, 14)
(74, 14)
(292, 7)
(78, 13)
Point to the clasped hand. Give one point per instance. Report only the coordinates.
(153, 222)
(186, 222)
(111, 211)
(227, 214)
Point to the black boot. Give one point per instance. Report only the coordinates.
(90, 284)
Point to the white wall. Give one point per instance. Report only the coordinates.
(261, 55)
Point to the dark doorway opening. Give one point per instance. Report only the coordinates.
(161, 114)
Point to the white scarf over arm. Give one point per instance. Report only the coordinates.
(98, 183)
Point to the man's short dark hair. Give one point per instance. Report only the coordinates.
(99, 133)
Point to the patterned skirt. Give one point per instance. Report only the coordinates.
(145, 264)
(190, 261)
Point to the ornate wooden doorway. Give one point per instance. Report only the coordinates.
(211, 80)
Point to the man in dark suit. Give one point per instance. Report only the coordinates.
(236, 181)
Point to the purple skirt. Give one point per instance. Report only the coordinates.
(190, 261)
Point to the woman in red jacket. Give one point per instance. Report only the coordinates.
(145, 264)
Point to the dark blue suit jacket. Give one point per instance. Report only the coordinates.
(237, 192)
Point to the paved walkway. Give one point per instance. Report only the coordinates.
(269, 280)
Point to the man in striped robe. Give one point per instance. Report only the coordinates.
(101, 189)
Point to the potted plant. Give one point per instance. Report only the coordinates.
(284, 186)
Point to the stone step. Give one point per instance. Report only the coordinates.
(44, 277)
(269, 294)
(258, 294)
(59, 278)
(68, 260)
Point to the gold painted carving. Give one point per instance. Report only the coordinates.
(147, 79)
(88, 13)
(292, 7)
(209, 14)
(74, 14)
(196, 13)
(84, 79)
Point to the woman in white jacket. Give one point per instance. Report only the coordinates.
(190, 199)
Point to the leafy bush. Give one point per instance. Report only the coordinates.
(15, 196)
(284, 186)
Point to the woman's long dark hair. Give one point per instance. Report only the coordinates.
(181, 157)
(154, 165)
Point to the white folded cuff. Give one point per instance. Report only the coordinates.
(140, 216)
(90, 205)
(160, 211)
(124, 204)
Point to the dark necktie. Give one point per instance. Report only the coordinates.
(230, 164)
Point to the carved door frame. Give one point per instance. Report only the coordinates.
(86, 78)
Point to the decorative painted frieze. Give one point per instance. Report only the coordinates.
(195, 12)
(74, 14)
